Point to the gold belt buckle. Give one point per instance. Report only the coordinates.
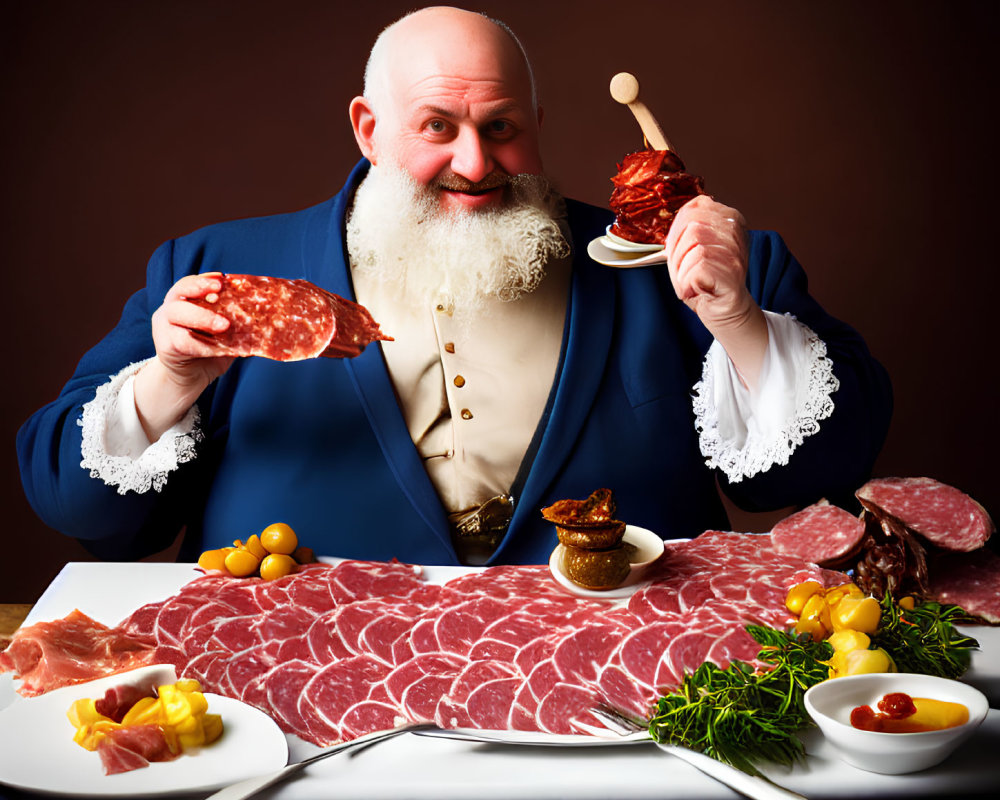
(489, 521)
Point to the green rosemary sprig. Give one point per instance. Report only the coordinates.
(740, 716)
(923, 639)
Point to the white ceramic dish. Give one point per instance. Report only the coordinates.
(600, 252)
(649, 547)
(830, 704)
(620, 245)
(39, 754)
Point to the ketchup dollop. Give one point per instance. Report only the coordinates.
(898, 713)
(897, 705)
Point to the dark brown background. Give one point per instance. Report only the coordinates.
(862, 131)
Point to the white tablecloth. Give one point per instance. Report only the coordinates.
(438, 769)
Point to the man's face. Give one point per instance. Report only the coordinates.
(459, 118)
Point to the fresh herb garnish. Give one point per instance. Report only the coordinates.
(923, 639)
(739, 716)
(742, 716)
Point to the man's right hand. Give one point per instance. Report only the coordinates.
(167, 386)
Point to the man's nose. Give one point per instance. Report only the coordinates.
(471, 157)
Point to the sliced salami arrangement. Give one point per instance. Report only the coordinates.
(333, 652)
(289, 320)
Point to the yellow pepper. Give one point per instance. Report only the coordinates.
(857, 614)
(179, 709)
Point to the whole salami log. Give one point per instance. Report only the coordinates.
(941, 514)
(822, 533)
(288, 320)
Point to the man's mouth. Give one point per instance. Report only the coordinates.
(458, 184)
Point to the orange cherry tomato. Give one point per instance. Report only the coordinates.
(276, 565)
(214, 559)
(279, 538)
(241, 563)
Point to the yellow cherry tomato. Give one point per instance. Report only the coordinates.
(862, 662)
(279, 538)
(241, 563)
(857, 614)
(817, 609)
(304, 555)
(276, 565)
(799, 594)
(846, 640)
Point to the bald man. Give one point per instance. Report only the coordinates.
(520, 373)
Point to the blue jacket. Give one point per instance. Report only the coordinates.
(321, 444)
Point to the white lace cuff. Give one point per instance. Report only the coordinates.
(744, 432)
(115, 448)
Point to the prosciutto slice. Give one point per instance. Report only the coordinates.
(74, 649)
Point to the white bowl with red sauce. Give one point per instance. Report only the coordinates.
(831, 702)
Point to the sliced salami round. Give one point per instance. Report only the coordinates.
(821, 533)
(288, 320)
(942, 514)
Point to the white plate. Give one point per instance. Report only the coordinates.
(534, 738)
(38, 752)
(613, 242)
(603, 254)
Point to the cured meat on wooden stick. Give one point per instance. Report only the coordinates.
(288, 320)
(650, 188)
(823, 533)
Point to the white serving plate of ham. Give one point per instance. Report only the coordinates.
(39, 754)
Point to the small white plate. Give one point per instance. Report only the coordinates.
(39, 753)
(602, 254)
(621, 245)
(650, 547)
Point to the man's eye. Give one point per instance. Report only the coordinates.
(499, 126)
(436, 126)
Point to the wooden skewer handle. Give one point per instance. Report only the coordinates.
(625, 89)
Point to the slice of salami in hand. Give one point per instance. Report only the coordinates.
(288, 320)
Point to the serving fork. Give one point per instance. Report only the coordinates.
(758, 788)
(250, 786)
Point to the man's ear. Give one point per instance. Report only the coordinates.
(363, 123)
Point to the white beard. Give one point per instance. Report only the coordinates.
(398, 235)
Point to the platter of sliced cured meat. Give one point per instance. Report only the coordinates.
(39, 754)
(345, 647)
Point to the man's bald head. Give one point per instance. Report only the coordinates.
(438, 26)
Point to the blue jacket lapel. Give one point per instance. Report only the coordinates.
(326, 265)
(590, 321)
